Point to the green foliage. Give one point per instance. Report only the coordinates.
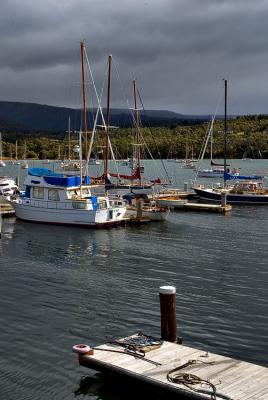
(246, 134)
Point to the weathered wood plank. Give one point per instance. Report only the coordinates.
(234, 378)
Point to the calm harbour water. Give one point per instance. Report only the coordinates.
(62, 286)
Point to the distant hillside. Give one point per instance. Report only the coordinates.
(30, 116)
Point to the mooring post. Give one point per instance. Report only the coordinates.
(139, 208)
(223, 199)
(186, 186)
(167, 295)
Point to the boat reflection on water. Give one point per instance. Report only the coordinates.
(63, 246)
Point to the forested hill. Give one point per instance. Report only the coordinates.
(26, 117)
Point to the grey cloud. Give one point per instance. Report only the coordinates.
(178, 49)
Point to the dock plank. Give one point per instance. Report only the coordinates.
(238, 380)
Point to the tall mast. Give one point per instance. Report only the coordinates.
(106, 146)
(211, 142)
(225, 127)
(69, 138)
(1, 155)
(82, 47)
(138, 153)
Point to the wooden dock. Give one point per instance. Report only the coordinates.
(170, 193)
(200, 375)
(6, 210)
(217, 208)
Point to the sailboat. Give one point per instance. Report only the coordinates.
(245, 190)
(25, 165)
(216, 169)
(188, 163)
(71, 165)
(16, 162)
(141, 206)
(121, 186)
(2, 164)
(55, 198)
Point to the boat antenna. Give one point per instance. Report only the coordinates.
(225, 129)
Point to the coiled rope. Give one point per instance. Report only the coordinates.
(190, 380)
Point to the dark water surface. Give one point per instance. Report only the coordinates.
(61, 286)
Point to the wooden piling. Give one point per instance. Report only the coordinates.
(139, 208)
(167, 295)
(223, 199)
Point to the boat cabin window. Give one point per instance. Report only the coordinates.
(28, 191)
(79, 205)
(103, 204)
(72, 193)
(53, 194)
(38, 192)
(85, 191)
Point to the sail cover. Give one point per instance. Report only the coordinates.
(228, 177)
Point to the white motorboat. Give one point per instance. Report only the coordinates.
(8, 188)
(60, 199)
(70, 166)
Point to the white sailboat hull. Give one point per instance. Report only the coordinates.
(209, 173)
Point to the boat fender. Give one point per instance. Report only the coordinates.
(82, 349)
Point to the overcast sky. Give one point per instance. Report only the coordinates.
(178, 50)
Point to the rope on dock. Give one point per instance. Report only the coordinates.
(189, 380)
(130, 352)
(135, 346)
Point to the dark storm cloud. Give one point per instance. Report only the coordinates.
(178, 49)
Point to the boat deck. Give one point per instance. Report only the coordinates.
(232, 379)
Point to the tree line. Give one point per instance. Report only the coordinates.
(247, 135)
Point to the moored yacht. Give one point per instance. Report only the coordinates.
(61, 199)
(8, 188)
(245, 190)
(248, 190)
